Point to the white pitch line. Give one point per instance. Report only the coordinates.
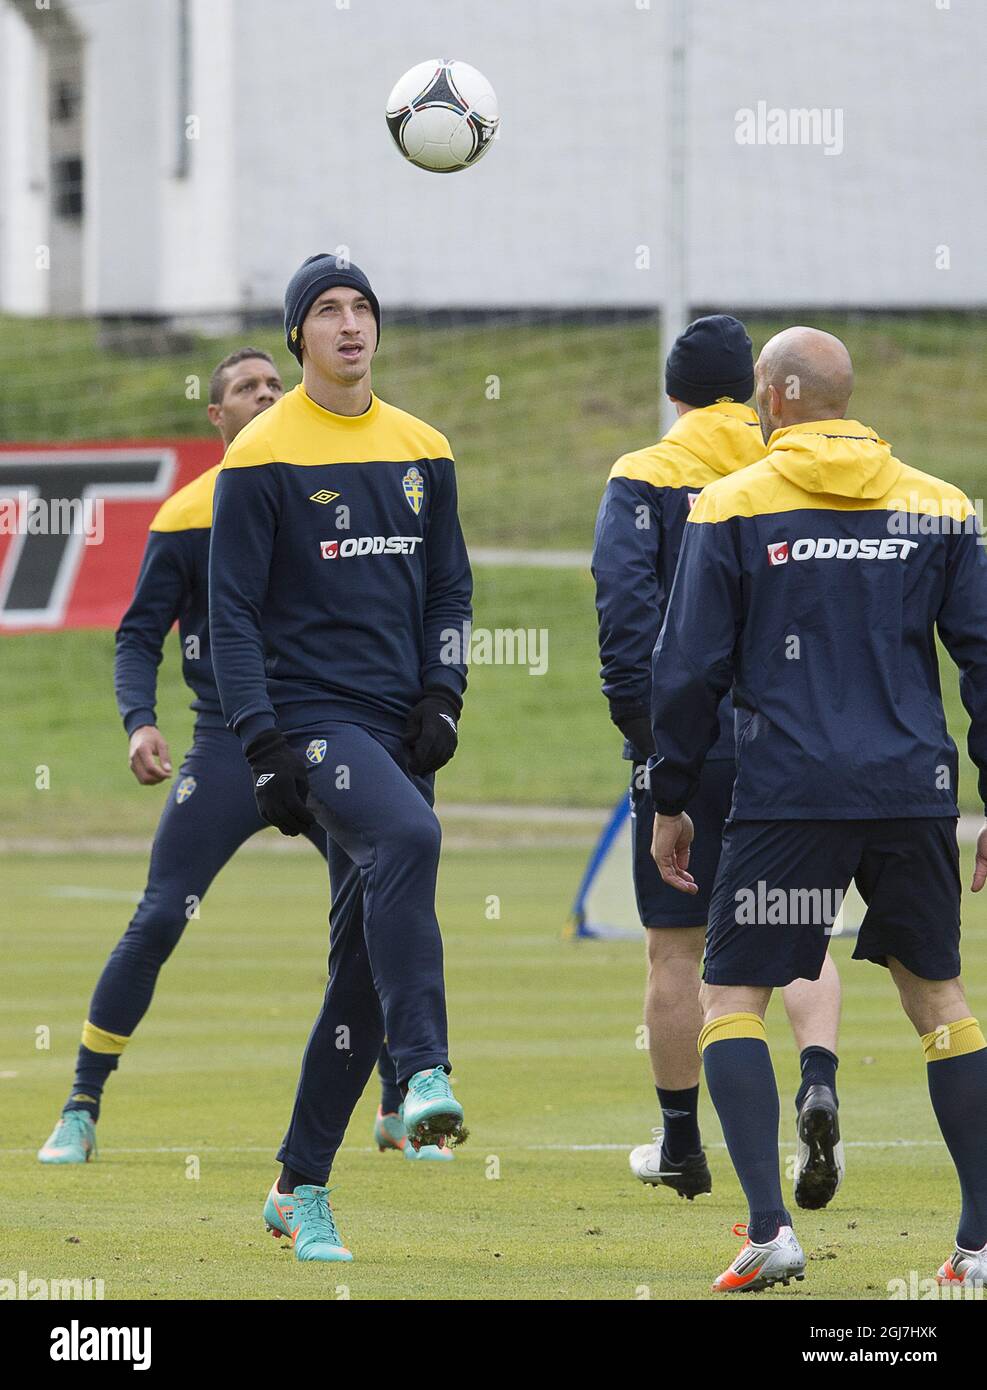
(511, 558)
(525, 1148)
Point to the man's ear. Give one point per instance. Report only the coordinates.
(215, 413)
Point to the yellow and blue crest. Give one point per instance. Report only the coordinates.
(316, 750)
(414, 489)
(185, 789)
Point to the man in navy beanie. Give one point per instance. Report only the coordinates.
(337, 571)
(709, 375)
(712, 360)
(315, 275)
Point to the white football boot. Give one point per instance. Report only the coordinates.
(760, 1266)
(689, 1177)
(968, 1267)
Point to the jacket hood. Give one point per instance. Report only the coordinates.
(724, 436)
(840, 458)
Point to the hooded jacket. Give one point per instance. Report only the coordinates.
(813, 583)
(639, 530)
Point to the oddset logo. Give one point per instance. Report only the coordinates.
(369, 545)
(843, 548)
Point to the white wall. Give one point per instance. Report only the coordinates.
(793, 225)
(556, 209)
(24, 288)
(156, 241)
(552, 213)
(294, 155)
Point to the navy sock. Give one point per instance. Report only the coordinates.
(91, 1072)
(958, 1090)
(391, 1094)
(391, 1098)
(290, 1179)
(818, 1069)
(742, 1086)
(680, 1113)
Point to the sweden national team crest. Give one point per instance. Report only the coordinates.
(185, 789)
(316, 750)
(414, 489)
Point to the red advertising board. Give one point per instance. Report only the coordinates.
(73, 524)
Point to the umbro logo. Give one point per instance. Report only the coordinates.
(323, 496)
(264, 778)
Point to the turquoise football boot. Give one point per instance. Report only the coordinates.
(390, 1133)
(73, 1140)
(431, 1112)
(306, 1216)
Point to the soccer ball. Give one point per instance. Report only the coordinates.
(443, 115)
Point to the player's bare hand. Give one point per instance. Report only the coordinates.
(150, 760)
(670, 851)
(980, 866)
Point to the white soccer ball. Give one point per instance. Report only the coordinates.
(443, 115)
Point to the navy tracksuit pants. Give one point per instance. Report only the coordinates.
(385, 950)
(209, 814)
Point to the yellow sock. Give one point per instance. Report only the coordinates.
(953, 1040)
(741, 1025)
(99, 1040)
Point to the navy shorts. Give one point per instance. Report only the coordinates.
(781, 883)
(659, 905)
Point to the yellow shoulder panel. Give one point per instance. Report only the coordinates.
(701, 447)
(252, 445)
(412, 438)
(190, 508)
(761, 490)
(923, 493)
(298, 431)
(754, 491)
(664, 465)
(643, 466)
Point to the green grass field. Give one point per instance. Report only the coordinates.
(525, 739)
(543, 1034)
(568, 399)
(543, 1028)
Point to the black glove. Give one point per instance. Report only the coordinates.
(431, 736)
(634, 722)
(280, 782)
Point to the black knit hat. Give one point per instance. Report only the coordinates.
(319, 273)
(711, 360)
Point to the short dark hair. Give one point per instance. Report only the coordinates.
(217, 382)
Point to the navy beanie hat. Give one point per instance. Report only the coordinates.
(713, 358)
(319, 273)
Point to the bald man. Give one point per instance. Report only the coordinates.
(709, 375)
(813, 583)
